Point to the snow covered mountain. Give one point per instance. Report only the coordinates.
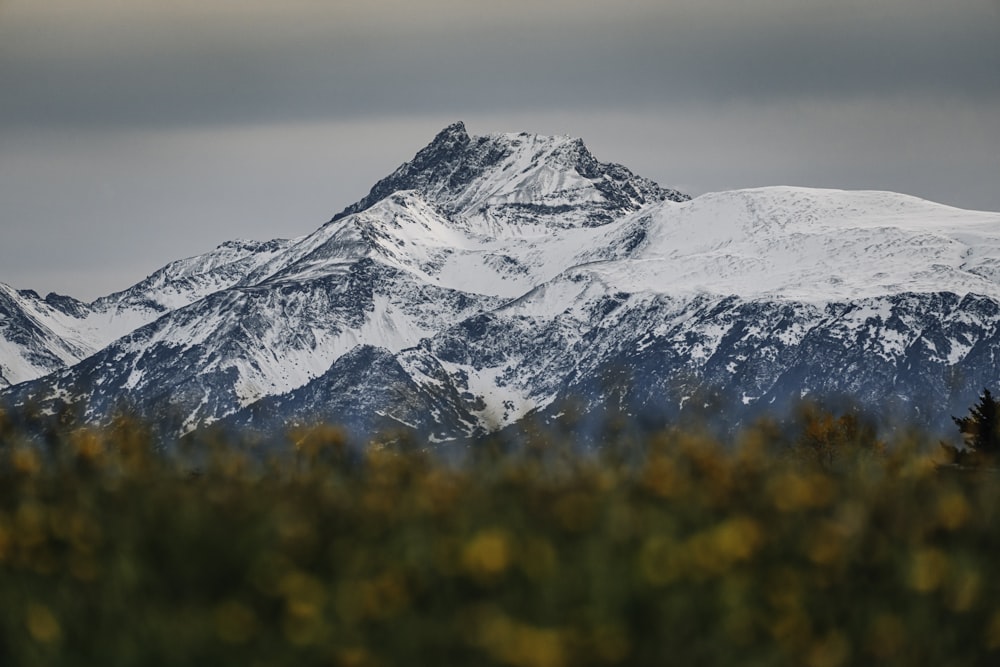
(32, 340)
(495, 277)
(39, 336)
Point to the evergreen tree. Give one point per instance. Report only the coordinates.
(980, 431)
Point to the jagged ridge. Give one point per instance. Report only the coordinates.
(468, 177)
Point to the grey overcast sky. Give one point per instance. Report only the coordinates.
(135, 132)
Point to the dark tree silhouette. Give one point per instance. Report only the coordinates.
(980, 432)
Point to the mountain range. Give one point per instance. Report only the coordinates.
(506, 276)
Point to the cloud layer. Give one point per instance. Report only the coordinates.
(140, 115)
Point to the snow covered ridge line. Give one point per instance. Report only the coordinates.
(490, 277)
(808, 245)
(39, 336)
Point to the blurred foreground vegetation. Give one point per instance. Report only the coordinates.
(822, 548)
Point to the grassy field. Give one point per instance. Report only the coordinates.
(822, 549)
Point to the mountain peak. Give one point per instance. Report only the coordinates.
(498, 180)
(454, 133)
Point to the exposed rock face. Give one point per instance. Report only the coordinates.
(517, 179)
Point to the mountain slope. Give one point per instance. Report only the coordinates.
(810, 244)
(32, 343)
(39, 336)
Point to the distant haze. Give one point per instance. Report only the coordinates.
(135, 132)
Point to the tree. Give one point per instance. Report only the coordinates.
(980, 433)
(835, 441)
